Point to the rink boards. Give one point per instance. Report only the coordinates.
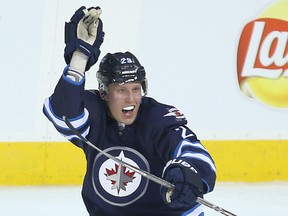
(61, 163)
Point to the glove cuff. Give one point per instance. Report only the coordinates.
(191, 175)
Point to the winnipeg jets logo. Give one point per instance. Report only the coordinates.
(115, 183)
(119, 177)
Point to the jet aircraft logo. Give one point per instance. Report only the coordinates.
(116, 184)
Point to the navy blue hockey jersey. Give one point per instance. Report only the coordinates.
(159, 133)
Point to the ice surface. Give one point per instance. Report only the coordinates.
(243, 199)
(257, 199)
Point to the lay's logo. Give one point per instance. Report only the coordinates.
(262, 59)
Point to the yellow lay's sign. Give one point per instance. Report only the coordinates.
(262, 58)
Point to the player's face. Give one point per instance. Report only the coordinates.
(124, 101)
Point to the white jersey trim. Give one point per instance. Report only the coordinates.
(186, 143)
(84, 134)
(200, 157)
(59, 122)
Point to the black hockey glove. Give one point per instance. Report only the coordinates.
(188, 184)
(84, 33)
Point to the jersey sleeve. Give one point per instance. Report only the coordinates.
(67, 100)
(173, 139)
(185, 144)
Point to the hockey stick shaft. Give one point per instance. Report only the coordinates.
(214, 207)
(144, 173)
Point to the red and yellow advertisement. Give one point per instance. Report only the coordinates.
(262, 58)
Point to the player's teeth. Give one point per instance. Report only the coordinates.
(128, 108)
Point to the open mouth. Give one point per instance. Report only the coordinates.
(128, 109)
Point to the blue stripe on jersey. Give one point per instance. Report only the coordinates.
(207, 185)
(59, 123)
(187, 143)
(199, 156)
(197, 210)
(188, 149)
(84, 134)
(64, 76)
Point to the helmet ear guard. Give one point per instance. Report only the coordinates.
(120, 68)
(144, 85)
(103, 90)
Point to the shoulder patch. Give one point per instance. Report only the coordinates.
(174, 112)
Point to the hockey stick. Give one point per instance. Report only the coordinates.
(144, 173)
(123, 163)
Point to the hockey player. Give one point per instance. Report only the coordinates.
(121, 119)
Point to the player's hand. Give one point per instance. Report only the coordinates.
(187, 182)
(87, 26)
(84, 33)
